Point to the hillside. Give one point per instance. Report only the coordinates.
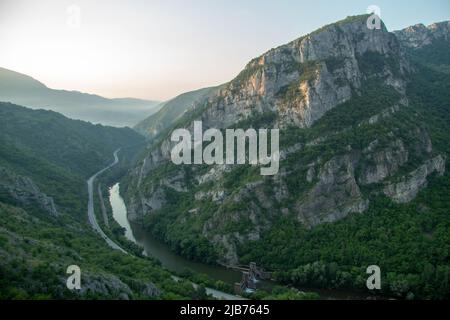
(363, 125)
(45, 159)
(170, 112)
(24, 90)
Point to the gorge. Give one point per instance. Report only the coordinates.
(356, 163)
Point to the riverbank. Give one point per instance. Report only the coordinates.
(118, 203)
(179, 265)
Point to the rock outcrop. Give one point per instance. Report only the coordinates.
(105, 285)
(304, 79)
(20, 189)
(419, 36)
(335, 195)
(407, 189)
(384, 163)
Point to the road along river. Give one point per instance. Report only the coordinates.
(91, 210)
(121, 217)
(157, 249)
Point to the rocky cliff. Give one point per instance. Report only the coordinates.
(24, 192)
(304, 79)
(419, 36)
(348, 133)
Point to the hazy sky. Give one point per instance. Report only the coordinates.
(158, 49)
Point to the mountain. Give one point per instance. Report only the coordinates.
(24, 90)
(45, 159)
(363, 128)
(428, 45)
(171, 111)
(420, 36)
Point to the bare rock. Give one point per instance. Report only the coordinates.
(408, 188)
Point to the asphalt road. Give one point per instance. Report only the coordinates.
(93, 221)
(91, 210)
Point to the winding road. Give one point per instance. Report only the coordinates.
(93, 221)
(91, 211)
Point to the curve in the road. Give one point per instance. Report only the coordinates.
(91, 210)
(93, 221)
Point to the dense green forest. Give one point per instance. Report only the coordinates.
(36, 253)
(411, 243)
(57, 153)
(75, 145)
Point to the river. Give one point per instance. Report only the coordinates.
(161, 251)
(173, 262)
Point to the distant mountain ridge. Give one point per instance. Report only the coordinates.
(24, 90)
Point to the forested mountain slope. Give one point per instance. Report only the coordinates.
(363, 120)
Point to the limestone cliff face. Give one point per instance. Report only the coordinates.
(407, 189)
(336, 178)
(304, 79)
(324, 174)
(419, 36)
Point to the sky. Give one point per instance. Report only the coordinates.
(157, 49)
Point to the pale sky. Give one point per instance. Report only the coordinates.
(157, 49)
